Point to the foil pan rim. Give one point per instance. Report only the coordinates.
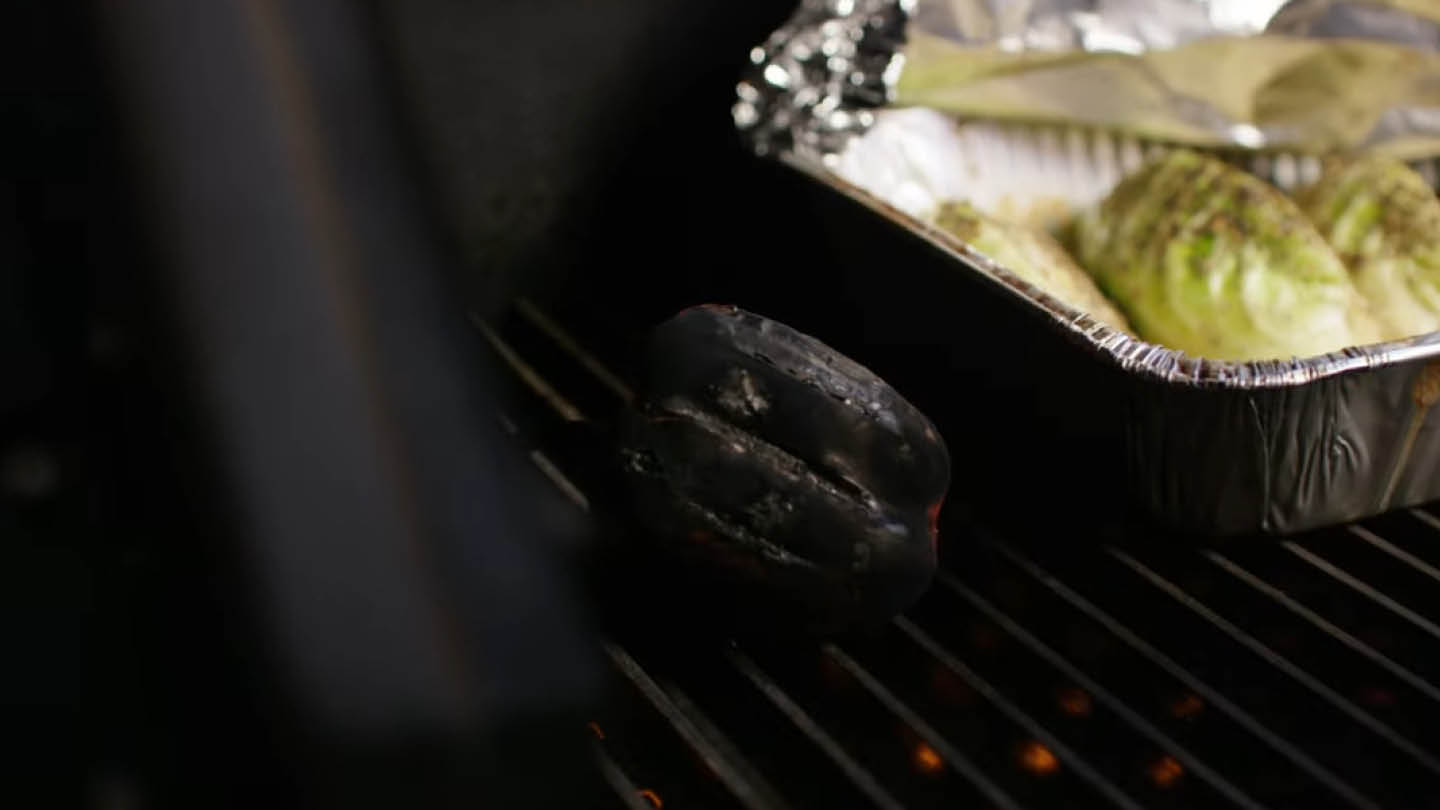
(1123, 351)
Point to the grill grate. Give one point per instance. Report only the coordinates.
(1122, 673)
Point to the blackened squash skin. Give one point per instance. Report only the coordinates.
(794, 480)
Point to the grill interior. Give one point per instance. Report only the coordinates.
(1090, 670)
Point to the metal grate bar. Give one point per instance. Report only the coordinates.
(1418, 683)
(1280, 662)
(1409, 532)
(625, 789)
(753, 795)
(1362, 587)
(563, 339)
(863, 780)
(1200, 687)
(547, 467)
(551, 397)
(1426, 518)
(947, 751)
(528, 375)
(559, 479)
(1077, 763)
(766, 795)
(1396, 552)
(1136, 720)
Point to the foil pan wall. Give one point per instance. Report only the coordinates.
(1207, 446)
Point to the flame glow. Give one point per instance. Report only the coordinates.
(927, 760)
(1166, 771)
(1038, 759)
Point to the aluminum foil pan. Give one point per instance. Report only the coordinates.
(1208, 446)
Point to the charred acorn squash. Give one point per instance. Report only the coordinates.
(794, 480)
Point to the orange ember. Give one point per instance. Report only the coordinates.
(1166, 771)
(927, 760)
(1187, 707)
(1074, 702)
(1038, 759)
(652, 797)
(596, 730)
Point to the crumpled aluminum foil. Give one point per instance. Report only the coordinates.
(815, 82)
(1128, 26)
(1313, 75)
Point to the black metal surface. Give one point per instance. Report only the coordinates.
(1098, 669)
